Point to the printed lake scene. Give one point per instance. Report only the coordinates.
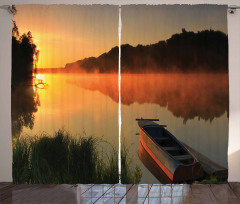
(174, 92)
(64, 129)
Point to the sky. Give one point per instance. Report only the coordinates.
(67, 33)
(144, 25)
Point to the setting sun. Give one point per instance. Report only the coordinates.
(75, 37)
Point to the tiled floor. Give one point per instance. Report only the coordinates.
(74, 194)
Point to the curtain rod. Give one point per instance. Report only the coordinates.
(231, 10)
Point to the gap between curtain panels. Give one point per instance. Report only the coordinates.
(119, 95)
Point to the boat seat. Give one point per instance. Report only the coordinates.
(175, 148)
(182, 157)
(159, 139)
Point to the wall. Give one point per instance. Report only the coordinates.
(5, 77)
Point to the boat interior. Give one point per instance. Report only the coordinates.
(168, 143)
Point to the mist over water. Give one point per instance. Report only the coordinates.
(204, 96)
(185, 95)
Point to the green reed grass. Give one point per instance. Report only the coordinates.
(21, 167)
(211, 180)
(129, 175)
(64, 159)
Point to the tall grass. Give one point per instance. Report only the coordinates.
(210, 180)
(21, 167)
(129, 175)
(64, 159)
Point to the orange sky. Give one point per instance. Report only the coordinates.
(145, 24)
(65, 33)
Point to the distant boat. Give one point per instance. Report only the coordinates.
(170, 155)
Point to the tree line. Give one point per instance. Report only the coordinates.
(24, 54)
(188, 52)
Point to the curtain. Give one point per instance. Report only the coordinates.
(64, 123)
(174, 63)
(173, 112)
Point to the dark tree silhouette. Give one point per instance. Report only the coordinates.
(24, 53)
(25, 100)
(24, 105)
(204, 51)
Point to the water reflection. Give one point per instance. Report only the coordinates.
(106, 84)
(186, 95)
(24, 104)
(75, 109)
(152, 166)
(89, 103)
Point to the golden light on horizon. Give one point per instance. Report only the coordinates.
(39, 76)
(65, 33)
(35, 41)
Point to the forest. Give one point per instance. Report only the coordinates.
(185, 52)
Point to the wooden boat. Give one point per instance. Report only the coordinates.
(171, 156)
(152, 166)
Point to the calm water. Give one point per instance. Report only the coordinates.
(69, 102)
(193, 106)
